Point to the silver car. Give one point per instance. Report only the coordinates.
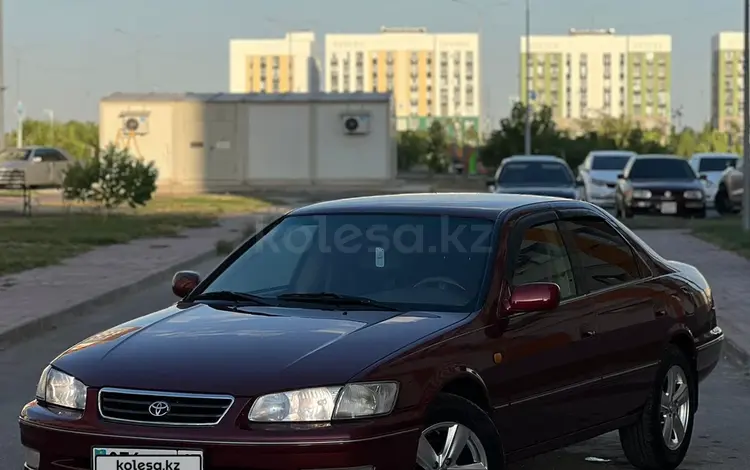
(712, 165)
(598, 174)
(33, 167)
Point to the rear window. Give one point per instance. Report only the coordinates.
(535, 174)
(609, 162)
(413, 262)
(716, 164)
(661, 169)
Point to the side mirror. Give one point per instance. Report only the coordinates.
(538, 296)
(490, 185)
(703, 177)
(36, 160)
(621, 176)
(184, 282)
(579, 183)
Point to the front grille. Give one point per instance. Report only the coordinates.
(146, 407)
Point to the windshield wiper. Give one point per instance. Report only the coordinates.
(232, 296)
(331, 298)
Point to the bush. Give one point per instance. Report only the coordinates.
(110, 180)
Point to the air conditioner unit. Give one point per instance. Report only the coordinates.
(356, 124)
(134, 122)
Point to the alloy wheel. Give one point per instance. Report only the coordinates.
(675, 407)
(450, 446)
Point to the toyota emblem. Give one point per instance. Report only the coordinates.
(159, 408)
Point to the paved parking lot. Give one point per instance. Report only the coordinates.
(719, 441)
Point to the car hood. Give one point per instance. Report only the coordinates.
(682, 185)
(607, 176)
(202, 349)
(554, 191)
(10, 164)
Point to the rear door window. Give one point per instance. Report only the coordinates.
(602, 257)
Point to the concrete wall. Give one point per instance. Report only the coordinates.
(221, 146)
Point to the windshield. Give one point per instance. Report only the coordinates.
(412, 262)
(716, 163)
(8, 155)
(609, 162)
(661, 169)
(535, 174)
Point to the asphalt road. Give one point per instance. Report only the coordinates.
(719, 441)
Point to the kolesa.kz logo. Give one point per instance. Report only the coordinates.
(135, 465)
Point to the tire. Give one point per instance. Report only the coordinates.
(721, 201)
(628, 213)
(642, 442)
(447, 410)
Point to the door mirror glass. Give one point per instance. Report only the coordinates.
(36, 159)
(621, 176)
(703, 177)
(534, 297)
(184, 282)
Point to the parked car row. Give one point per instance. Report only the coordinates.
(630, 183)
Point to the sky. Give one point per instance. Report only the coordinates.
(73, 52)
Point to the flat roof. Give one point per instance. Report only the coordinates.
(318, 97)
(486, 205)
(538, 158)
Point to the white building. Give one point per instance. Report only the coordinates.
(727, 81)
(214, 142)
(430, 75)
(274, 65)
(590, 73)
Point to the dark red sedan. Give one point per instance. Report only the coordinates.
(452, 331)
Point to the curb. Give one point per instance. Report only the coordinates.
(734, 353)
(49, 322)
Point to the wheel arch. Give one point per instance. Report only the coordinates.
(468, 384)
(683, 340)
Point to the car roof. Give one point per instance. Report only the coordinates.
(534, 158)
(612, 153)
(483, 205)
(715, 155)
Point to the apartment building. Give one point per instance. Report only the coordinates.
(431, 76)
(593, 73)
(727, 81)
(274, 65)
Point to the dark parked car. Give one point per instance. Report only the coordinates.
(540, 175)
(660, 184)
(447, 331)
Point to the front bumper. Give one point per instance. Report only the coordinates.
(685, 207)
(68, 445)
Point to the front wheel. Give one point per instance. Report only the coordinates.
(721, 201)
(459, 435)
(660, 438)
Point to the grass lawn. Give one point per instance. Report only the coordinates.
(724, 232)
(48, 237)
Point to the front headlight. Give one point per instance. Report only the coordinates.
(693, 194)
(642, 194)
(326, 403)
(60, 389)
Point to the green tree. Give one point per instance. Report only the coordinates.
(412, 149)
(79, 139)
(437, 148)
(110, 180)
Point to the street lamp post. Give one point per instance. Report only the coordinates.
(527, 133)
(51, 115)
(746, 123)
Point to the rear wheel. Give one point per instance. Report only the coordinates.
(660, 438)
(458, 435)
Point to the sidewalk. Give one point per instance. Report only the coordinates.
(39, 298)
(728, 274)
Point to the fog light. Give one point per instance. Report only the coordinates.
(32, 458)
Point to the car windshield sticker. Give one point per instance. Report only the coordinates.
(379, 257)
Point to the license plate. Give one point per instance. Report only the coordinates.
(119, 458)
(668, 207)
